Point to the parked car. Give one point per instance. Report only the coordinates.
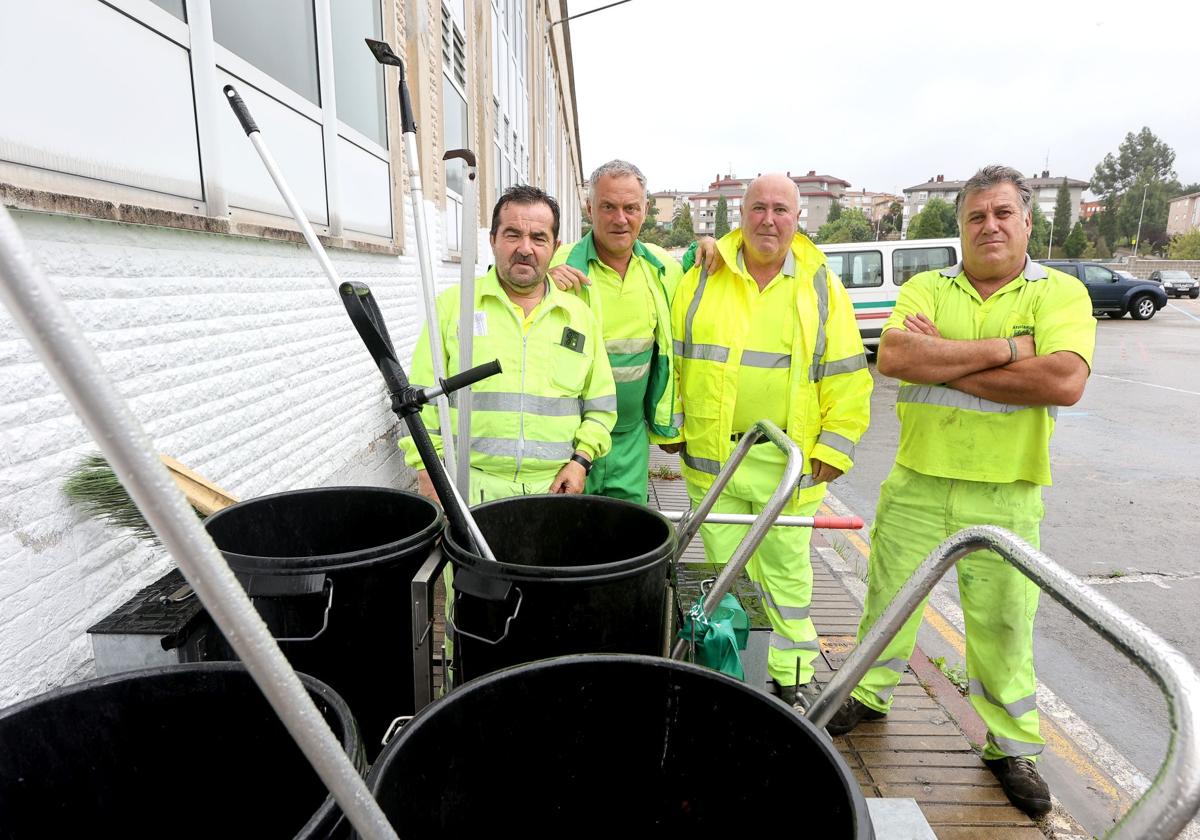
(1177, 283)
(1111, 294)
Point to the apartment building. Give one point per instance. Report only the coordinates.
(817, 194)
(1044, 185)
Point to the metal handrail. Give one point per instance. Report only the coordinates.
(690, 524)
(1174, 796)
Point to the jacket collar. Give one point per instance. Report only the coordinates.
(1033, 271)
(584, 252)
(489, 286)
(730, 246)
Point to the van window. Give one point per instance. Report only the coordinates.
(909, 261)
(858, 269)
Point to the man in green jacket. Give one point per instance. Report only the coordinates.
(629, 285)
(538, 426)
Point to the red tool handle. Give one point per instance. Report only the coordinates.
(838, 523)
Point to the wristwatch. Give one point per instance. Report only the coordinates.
(583, 461)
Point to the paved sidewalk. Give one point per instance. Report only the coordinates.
(919, 751)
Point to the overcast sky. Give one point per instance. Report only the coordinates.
(882, 95)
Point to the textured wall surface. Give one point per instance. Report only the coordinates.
(238, 359)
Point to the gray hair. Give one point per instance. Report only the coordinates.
(991, 176)
(616, 168)
(754, 181)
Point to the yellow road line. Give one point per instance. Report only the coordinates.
(1057, 741)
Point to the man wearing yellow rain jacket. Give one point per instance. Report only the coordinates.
(770, 335)
(537, 426)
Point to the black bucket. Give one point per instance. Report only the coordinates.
(615, 746)
(330, 569)
(576, 574)
(178, 751)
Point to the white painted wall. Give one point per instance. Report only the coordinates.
(239, 360)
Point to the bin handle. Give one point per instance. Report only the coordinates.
(507, 624)
(327, 587)
(1174, 796)
(395, 726)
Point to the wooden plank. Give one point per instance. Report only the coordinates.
(946, 743)
(895, 758)
(934, 775)
(951, 794)
(974, 814)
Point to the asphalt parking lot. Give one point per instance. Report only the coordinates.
(1122, 514)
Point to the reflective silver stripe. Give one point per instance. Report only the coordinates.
(950, 398)
(677, 346)
(601, 404)
(781, 642)
(703, 465)
(528, 403)
(886, 694)
(677, 421)
(787, 613)
(822, 290)
(630, 374)
(509, 448)
(628, 345)
(846, 365)
(897, 665)
(691, 314)
(759, 359)
(1008, 746)
(706, 352)
(839, 443)
(1015, 709)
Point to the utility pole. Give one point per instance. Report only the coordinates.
(1137, 240)
(1050, 240)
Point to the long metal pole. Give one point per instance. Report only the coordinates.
(1137, 241)
(1174, 797)
(828, 523)
(466, 309)
(46, 321)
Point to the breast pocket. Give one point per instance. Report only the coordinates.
(1017, 323)
(567, 369)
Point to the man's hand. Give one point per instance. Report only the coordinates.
(918, 322)
(1026, 348)
(425, 486)
(568, 278)
(670, 448)
(707, 253)
(570, 479)
(823, 472)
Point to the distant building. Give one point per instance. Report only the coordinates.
(1183, 214)
(817, 194)
(873, 204)
(667, 202)
(1044, 186)
(1087, 209)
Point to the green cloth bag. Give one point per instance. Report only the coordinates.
(717, 639)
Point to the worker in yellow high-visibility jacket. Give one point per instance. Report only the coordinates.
(985, 350)
(770, 335)
(537, 426)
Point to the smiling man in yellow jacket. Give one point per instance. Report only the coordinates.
(770, 335)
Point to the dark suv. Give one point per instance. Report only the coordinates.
(1112, 294)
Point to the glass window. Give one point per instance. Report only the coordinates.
(909, 261)
(278, 37)
(858, 269)
(175, 7)
(357, 76)
(454, 115)
(1097, 274)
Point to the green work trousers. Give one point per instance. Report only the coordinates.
(916, 513)
(780, 568)
(624, 472)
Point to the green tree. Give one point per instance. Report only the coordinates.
(1077, 242)
(650, 231)
(1039, 237)
(835, 211)
(1143, 168)
(1157, 195)
(1185, 246)
(1140, 157)
(893, 219)
(935, 221)
(1062, 213)
(722, 221)
(681, 233)
(851, 226)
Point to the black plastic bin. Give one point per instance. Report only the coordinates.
(177, 751)
(615, 746)
(576, 574)
(330, 569)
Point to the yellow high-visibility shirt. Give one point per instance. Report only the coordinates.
(762, 378)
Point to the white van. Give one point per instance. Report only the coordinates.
(873, 272)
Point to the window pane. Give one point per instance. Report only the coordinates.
(278, 37)
(357, 77)
(909, 261)
(175, 7)
(454, 112)
(1097, 274)
(857, 269)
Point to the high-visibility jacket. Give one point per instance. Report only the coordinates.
(953, 434)
(828, 390)
(553, 396)
(639, 348)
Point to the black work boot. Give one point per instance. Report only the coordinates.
(1023, 785)
(849, 715)
(799, 696)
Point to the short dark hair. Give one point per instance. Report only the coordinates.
(525, 194)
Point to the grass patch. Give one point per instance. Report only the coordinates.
(956, 674)
(664, 473)
(1116, 573)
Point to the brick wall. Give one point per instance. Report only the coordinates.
(238, 359)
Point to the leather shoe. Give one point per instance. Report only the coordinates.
(1023, 785)
(849, 715)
